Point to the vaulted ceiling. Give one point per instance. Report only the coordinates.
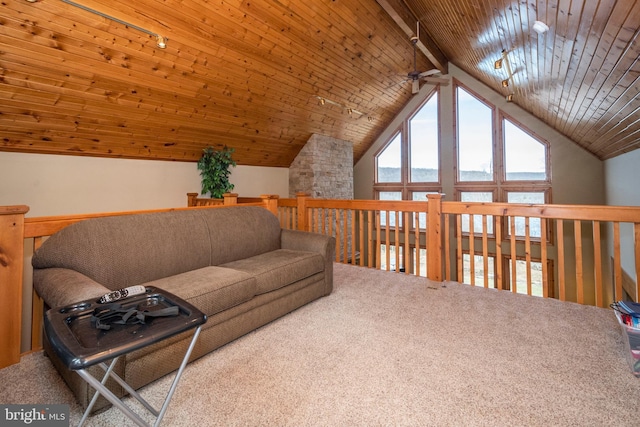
(87, 78)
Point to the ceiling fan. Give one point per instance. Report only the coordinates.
(416, 76)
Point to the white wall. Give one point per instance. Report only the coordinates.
(622, 176)
(62, 185)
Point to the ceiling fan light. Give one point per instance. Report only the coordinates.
(540, 27)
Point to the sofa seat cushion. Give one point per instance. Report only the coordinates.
(276, 269)
(210, 289)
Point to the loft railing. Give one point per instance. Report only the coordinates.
(573, 253)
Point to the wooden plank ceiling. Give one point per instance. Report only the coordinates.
(252, 74)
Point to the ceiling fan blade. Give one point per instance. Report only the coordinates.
(429, 73)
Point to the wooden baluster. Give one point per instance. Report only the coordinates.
(407, 246)
(472, 253)
(617, 262)
(353, 237)
(459, 259)
(560, 239)
(396, 233)
(577, 236)
(514, 258)
(416, 236)
(447, 247)
(345, 236)
(527, 253)
(546, 291)
(387, 232)
(499, 264)
(337, 228)
(485, 251)
(636, 233)
(370, 225)
(378, 237)
(597, 265)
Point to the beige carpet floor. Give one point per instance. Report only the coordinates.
(387, 349)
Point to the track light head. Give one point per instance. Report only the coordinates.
(505, 83)
(498, 64)
(509, 97)
(161, 42)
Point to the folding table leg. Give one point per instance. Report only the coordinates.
(101, 389)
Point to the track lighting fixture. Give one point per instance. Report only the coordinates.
(509, 80)
(324, 101)
(161, 41)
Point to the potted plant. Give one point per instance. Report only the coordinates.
(214, 170)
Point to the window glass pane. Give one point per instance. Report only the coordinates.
(421, 196)
(475, 138)
(476, 196)
(525, 157)
(534, 223)
(423, 262)
(389, 195)
(388, 161)
(521, 277)
(392, 258)
(478, 273)
(423, 143)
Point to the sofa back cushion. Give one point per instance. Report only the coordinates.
(129, 250)
(241, 232)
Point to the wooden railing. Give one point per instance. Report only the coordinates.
(546, 250)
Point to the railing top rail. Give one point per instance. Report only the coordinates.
(379, 205)
(551, 211)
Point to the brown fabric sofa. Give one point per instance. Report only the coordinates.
(235, 264)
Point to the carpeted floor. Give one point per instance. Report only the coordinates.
(387, 349)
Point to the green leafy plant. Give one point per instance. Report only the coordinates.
(214, 170)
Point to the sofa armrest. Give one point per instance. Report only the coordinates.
(62, 286)
(312, 242)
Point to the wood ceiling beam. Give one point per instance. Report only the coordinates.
(406, 20)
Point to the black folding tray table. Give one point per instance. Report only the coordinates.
(79, 344)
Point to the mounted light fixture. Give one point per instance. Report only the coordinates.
(509, 97)
(161, 41)
(323, 101)
(498, 65)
